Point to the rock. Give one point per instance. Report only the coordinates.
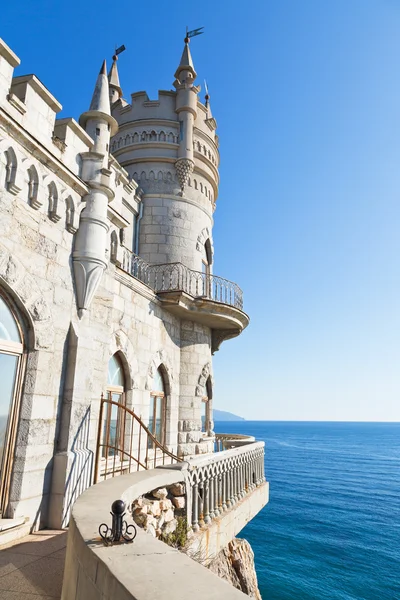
(139, 518)
(149, 520)
(177, 489)
(161, 493)
(235, 564)
(168, 515)
(170, 527)
(154, 508)
(179, 502)
(165, 504)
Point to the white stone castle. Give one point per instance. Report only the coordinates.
(109, 308)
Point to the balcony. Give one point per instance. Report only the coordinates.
(221, 492)
(192, 295)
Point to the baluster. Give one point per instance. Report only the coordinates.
(235, 483)
(216, 495)
(211, 496)
(207, 518)
(228, 487)
(201, 504)
(224, 477)
(195, 523)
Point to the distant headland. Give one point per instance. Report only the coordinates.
(223, 415)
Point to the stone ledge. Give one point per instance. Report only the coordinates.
(144, 570)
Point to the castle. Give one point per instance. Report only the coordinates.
(108, 300)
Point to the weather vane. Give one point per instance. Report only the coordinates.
(118, 51)
(192, 33)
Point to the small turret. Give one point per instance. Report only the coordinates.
(89, 256)
(186, 107)
(97, 121)
(113, 82)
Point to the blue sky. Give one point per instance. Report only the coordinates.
(307, 99)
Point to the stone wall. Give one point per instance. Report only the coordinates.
(235, 564)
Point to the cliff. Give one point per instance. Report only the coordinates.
(235, 564)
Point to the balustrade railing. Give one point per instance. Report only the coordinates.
(224, 441)
(177, 277)
(220, 481)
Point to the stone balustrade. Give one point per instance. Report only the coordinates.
(224, 441)
(219, 481)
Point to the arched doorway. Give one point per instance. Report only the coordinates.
(11, 363)
(115, 392)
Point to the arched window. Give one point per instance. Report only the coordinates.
(157, 408)
(206, 408)
(11, 351)
(116, 393)
(33, 187)
(53, 202)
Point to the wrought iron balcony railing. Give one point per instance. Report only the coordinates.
(177, 277)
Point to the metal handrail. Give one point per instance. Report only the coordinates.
(126, 444)
(177, 277)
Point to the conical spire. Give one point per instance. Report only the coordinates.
(101, 100)
(100, 104)
(113, 80)
(186, 63)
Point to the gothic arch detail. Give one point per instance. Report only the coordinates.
(202, 381)
(161, 359)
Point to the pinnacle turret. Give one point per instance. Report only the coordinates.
(113, 81)
(186, 69)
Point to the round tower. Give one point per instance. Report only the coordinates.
(169, 146)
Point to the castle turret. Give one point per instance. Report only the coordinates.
(91, 239)
(113, 82)
(186, 108)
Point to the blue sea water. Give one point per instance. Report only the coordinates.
(331, 530)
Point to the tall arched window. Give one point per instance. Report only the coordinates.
(11, 351)
(158, 408)
(206, 408)
(116, 393)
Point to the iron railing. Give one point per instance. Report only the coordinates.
(177, 277)
(125, 444)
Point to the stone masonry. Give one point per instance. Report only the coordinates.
(76, 199)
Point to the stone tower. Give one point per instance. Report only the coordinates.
(169, 146)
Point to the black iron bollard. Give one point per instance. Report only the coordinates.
(120, 530)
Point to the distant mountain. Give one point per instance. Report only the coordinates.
(223, 415)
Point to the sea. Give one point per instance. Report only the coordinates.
(331, 530)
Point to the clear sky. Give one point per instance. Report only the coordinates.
(307, 98)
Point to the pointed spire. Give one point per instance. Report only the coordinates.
(100, 100)
(113, 80)
(100, 104)
(186, 63)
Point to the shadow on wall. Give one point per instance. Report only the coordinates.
(80, 475)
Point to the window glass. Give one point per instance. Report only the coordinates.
(115, 373)
(204, 405)
(8, 327)
(8, 368)
(158, 383)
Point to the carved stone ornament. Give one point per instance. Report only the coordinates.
(184, 167)
(88, 273)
